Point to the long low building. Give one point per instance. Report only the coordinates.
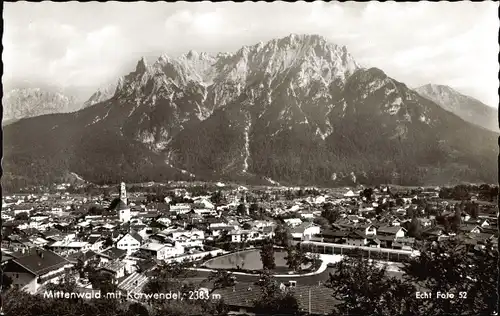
(369, 252)
(69, 247)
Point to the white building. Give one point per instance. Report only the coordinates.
(122, 208)
(350, 194)
(37, 269)
(204, 203)
(293, 222)
(130, 242)
(66, 247)
(180, 208)
(163, 251)
(305, 231)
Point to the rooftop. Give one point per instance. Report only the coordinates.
(40, 262)
(153, 246)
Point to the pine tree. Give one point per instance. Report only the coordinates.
(267, 256)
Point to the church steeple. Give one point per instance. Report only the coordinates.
(122, 207)
(123, 193)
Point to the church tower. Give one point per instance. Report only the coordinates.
(123, 193)
(122, 207)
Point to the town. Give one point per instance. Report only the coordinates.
(123, 234)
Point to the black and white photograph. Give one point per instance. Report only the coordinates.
(253, 158)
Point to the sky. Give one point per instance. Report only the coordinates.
(89, 45)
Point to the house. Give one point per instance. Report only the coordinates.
(36, 269)
(305, 231)
(373, 242)
(350, 194)
(216, 231)
(83, 257)
(293, 222)
(17, 243)
(266, 232)
(405, 243)
(38, 241)
(174, 250)
(155, 250)
(142, 230)
(194, 236)
(111, 254)
(334, 236)
(51, 233)
(22, 208)
(396, 222)
(367, 229)
(307, 215)
(485, 223)
(129, 242)
(433, 233)
(180, 208)
(353, 219)
(401, 211)
(483, 237)
(67, 246)
(465, 217)
(425, 222)
(96, 242)
(163, 251)
(356, 238)
(215, 222)
(313, 299)
(114, 268)
(203, 206)
(392, 231)
(475, 229)
(164, 220)
(240, 235)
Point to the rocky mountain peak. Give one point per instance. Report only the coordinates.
(103, 93)
(466, 107)
(192, 54)
(142, 65)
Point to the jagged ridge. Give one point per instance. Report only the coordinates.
(295, 110)
(30, 102)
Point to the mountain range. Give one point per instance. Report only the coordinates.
(295, 110)
(31, 102)
(469, 109)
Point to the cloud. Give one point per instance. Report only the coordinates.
(417, 43)
(203, 23)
